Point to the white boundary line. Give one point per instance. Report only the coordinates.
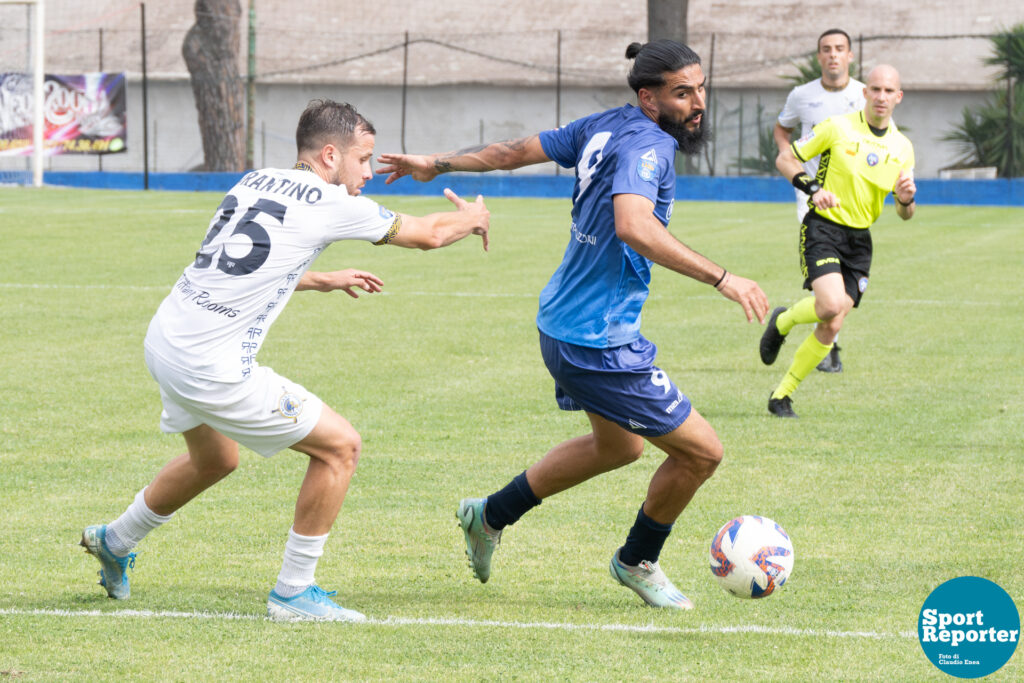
(469, 623)
(484, 295)
(25, 285)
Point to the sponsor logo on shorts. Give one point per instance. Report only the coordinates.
(647, 166)
(862, 284)
(289, 406)
(675, 404)
(872, 159)
(636, 425)
(823, 261)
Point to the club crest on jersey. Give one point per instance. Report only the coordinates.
(872, 159)
(289, 406)
(647, 166)
(862, 284)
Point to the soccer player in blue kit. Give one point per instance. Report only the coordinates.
(589, 318)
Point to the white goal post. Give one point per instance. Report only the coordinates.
(38, 71)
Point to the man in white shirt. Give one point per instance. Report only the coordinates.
(811, 103)
(202, 343)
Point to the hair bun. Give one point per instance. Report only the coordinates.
(633, 50)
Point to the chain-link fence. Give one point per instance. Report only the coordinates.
(428, 91)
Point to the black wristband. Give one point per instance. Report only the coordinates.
(724, 273)
(806, 183)
(897, 198)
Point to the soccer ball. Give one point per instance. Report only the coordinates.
(751, 556)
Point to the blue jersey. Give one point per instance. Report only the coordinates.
(595, 296)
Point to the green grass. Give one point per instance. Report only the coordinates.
(904, 471)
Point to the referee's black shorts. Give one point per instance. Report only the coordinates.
(827, 247)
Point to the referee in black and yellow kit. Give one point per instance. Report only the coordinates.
(864, 157)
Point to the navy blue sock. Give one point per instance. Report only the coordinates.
(509, 504)
(644, 541)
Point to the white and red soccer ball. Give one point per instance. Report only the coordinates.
(751, 556)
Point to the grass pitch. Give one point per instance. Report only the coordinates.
(903, 472)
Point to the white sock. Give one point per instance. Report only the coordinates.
(300, 557)
(125, 532)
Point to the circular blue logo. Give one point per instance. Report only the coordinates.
(289, 405)
(645, 168)
(872, 159)
(968, 627)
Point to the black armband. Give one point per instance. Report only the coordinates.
(806, 183)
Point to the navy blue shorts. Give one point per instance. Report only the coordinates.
(620, 384)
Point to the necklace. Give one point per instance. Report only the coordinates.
(834, 88)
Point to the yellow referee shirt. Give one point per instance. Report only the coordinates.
(857, 166)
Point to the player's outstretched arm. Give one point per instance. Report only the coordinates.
(636, 225)
(437, 230)
(345, 280)
(497, 156)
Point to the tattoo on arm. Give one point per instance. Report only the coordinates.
(446, 163)
(468, 150)
(518, 144)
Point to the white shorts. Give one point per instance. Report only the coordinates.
(801, 205)
(267, 412)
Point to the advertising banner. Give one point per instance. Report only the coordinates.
(83, 114)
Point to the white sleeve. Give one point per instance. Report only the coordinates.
(354, 218)
(789, 117)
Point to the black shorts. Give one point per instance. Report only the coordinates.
(826, 247)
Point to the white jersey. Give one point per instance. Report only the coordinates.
(810, 104)
(265, 234)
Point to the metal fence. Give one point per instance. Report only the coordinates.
(559, 74)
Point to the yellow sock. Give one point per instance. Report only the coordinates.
(806, 358)
(800, 313)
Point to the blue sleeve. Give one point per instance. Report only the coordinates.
(560, 144)
(645, 166)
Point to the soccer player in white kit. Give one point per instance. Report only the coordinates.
(202, 343)
(811, 103)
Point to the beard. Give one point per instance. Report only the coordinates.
(691, 142)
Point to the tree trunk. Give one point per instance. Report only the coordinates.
(667, 19)
(211, 54)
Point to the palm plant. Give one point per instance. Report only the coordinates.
(993, 135)
(809, 70)
(764, 162)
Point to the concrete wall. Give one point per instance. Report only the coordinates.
(924, 116)
(440, 118)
